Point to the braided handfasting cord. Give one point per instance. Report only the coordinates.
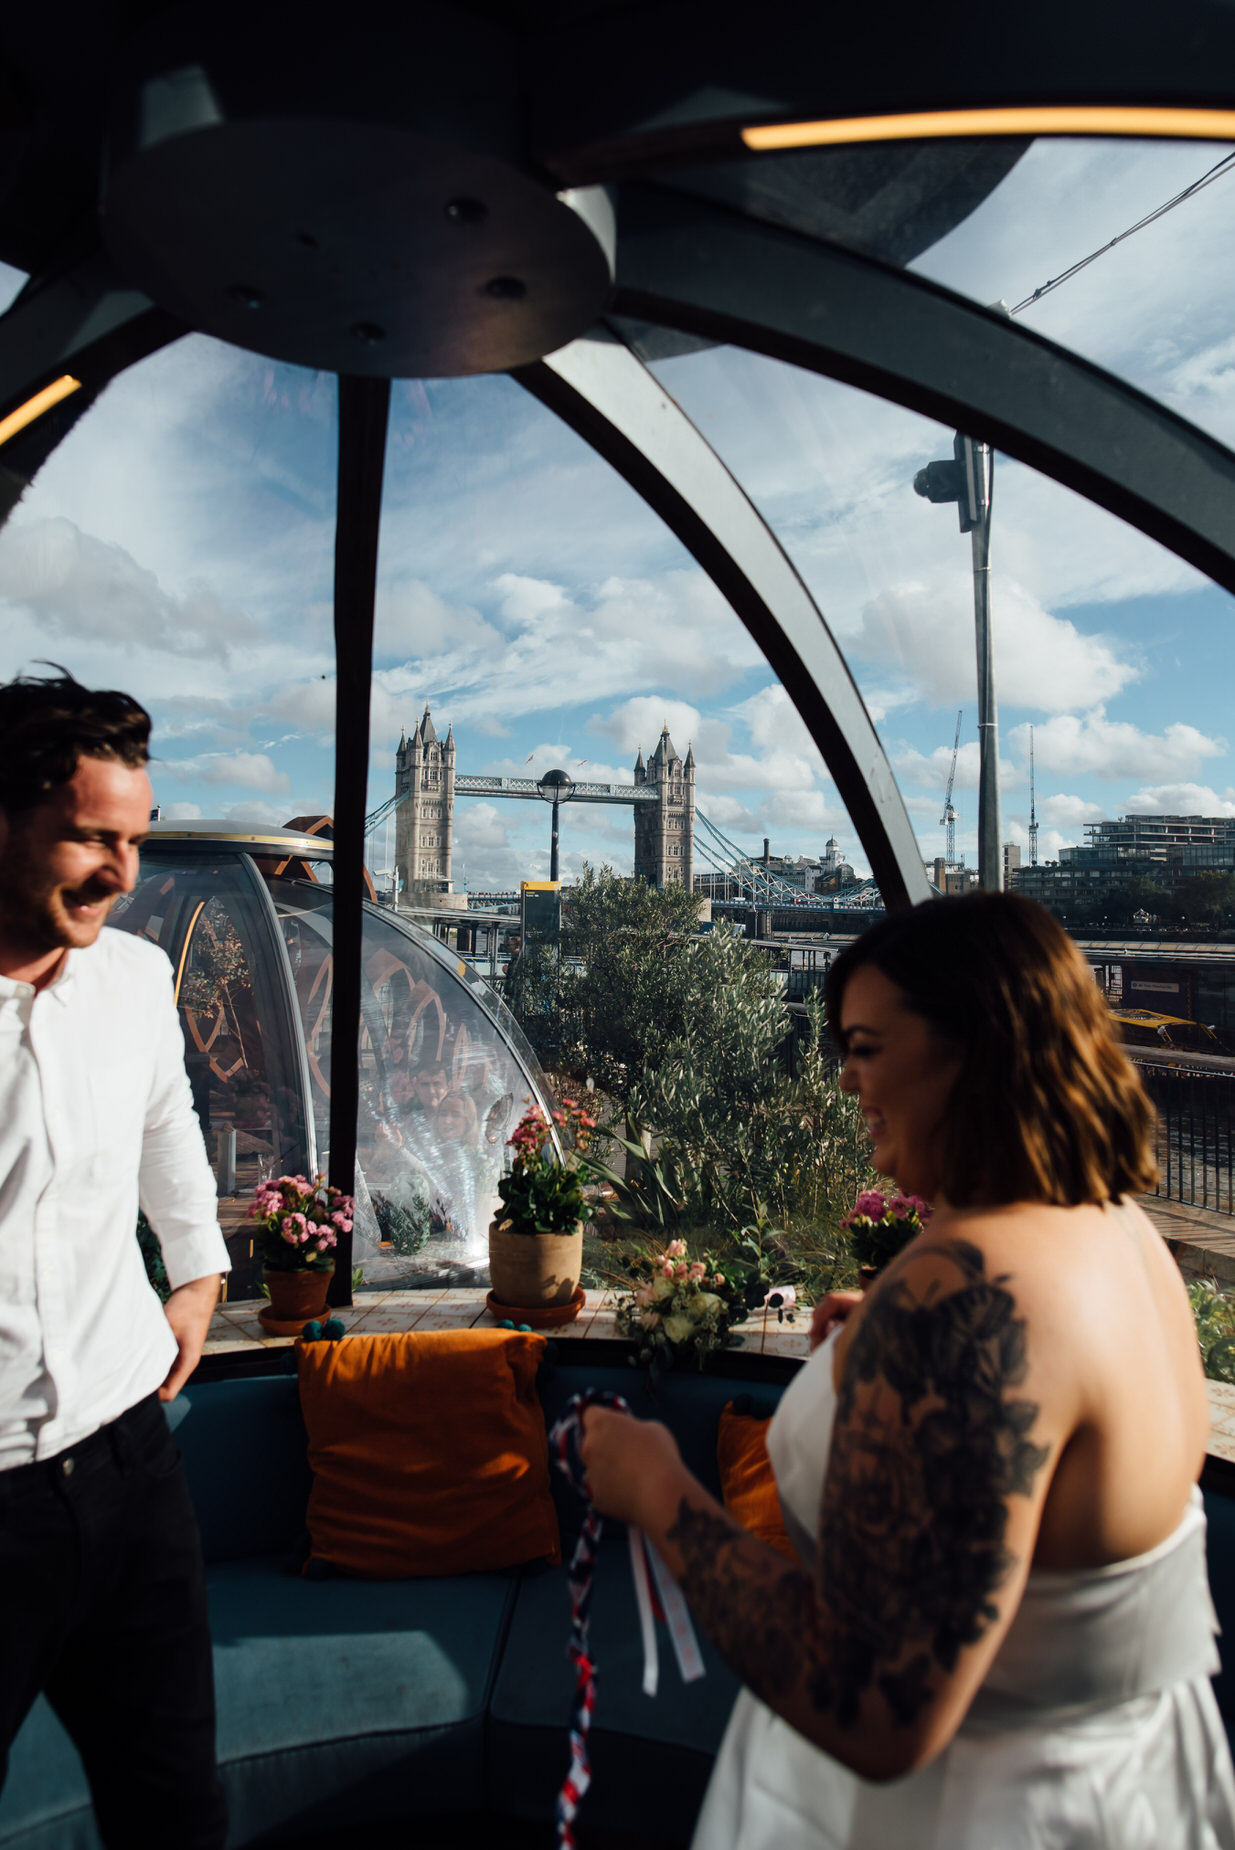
(656, 1593)
(565, 1442)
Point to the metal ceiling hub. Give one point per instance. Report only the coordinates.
(369, 209)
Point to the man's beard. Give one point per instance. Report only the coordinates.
(33, 910)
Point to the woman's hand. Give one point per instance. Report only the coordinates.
(830, 1312)
(634, 1469)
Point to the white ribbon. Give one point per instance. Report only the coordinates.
(677, 1617)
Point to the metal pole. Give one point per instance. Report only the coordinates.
(364, 406)
(553, 844)
(990, 851)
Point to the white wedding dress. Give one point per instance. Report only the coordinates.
(1095, 1729)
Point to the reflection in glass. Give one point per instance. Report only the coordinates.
(444, 1076)
(445, 1072)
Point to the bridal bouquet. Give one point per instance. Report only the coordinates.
(679, 1309)
(880, 1225)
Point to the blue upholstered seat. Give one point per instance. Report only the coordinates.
(640, 1746)
(341, 1701)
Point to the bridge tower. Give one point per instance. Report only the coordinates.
(424, 840)
(665, 831)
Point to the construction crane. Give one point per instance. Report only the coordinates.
(948, 819)
(1033, 813)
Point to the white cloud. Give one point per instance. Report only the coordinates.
(478, 826)
(251, 809)
(77, 586)
(729, 813)
(1068, 811)
(181, 812)
(635, 724)
(253, 770)
(410, 618)
(1091, 744)
(802, 809)
(1042, 661)
(1050, 841)
(599, 643)
(1180, 800)
(929, 771)
(775, 723)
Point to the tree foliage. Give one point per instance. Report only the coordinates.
(726, 1131)
(607, 1000)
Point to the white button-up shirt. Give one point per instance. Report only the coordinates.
(95, 1114)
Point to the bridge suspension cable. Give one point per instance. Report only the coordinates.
(760, 880)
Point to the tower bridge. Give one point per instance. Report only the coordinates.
(427, 782)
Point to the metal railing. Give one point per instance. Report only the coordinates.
(1196, 1135)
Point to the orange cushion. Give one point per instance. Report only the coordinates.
(746, 1479)
(429, 1453)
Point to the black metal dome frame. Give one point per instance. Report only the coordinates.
(798, 255)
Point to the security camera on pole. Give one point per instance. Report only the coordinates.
(968, 480)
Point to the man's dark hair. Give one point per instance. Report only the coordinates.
(48, 723)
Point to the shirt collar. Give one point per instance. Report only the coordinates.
(61, 986)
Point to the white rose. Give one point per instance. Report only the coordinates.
(679, 1328)
(662, 1288)
(709, 1304)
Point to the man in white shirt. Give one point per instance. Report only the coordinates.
(102, 1592)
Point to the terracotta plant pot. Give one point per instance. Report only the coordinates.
(535, 1270)
(296, 1298)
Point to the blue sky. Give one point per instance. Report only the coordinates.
(179, 543)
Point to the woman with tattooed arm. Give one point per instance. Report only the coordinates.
(1001, 1636)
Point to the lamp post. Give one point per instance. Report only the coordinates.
(968, 480)
(556, 788)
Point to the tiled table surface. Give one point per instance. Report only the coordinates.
(235, 1326)
(1221, 1420)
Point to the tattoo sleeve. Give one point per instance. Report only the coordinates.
(929, 1443)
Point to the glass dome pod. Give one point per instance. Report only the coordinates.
(246, 920)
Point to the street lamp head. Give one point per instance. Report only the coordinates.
(556, 787)
(939, 481)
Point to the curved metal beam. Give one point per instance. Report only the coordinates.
(609, 397)
(83, 321)
(364, 412)
(615, 90)
(712, 273)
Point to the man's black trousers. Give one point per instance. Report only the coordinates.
(103, 1607)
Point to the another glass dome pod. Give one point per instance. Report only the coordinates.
(245, 918)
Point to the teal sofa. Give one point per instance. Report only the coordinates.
(347, 1703)
(344, 1702)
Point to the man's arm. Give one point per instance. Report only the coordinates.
(177, 1193)
(188, 1311)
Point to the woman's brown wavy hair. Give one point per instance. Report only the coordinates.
(1046, 1106)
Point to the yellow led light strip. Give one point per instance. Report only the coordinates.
(1064, 119)
(36, 406)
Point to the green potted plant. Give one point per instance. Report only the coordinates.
(296, 1228)
(536, 1238)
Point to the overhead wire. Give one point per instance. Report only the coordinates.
(1215, 172)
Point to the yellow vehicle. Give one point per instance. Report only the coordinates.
(1145, 1028)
